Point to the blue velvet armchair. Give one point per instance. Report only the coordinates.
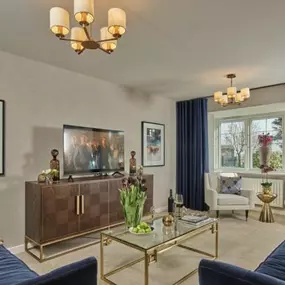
(270, 272)
(14, 272)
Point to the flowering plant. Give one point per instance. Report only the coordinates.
(49, 175)
(132, 198)
(265, 139)
(50, 171)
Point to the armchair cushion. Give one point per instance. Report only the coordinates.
(231, 199)
(230, 185)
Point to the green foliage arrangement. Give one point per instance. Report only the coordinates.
(132, 198)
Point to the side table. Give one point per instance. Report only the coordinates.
(266, 215)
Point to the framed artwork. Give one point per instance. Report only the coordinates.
(2, 137)
(153, 144)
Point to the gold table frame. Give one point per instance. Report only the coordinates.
(150, 254)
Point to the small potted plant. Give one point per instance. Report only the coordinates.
(49, 174)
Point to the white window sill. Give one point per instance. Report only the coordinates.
(241, 171)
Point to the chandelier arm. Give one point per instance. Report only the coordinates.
(71, 40)
(87, 33)
(107, 40)
(80, 52)
(104, 50)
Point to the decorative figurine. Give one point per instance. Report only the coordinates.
(133, 163)
(54, 164)
(168, 220)
(70, 178)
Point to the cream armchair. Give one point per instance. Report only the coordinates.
(217, 201)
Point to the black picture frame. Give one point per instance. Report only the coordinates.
(145, 162)
(2, 137)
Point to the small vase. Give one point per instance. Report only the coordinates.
(133, 215)
(265, 153)
(49, 179)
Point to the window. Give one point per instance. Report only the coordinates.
(233, 143)
(238, 146)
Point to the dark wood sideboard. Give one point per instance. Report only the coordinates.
(65, 210)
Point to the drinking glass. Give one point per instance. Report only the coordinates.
(178, 201)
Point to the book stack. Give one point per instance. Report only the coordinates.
(195, 219)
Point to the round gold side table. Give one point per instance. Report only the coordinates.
(266, 215)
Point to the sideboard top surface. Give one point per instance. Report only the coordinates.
(82, 180)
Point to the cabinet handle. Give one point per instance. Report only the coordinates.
(77, 205)
(82, 204)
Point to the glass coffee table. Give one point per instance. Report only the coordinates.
(161, 239)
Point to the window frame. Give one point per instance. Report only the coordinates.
(248, 149)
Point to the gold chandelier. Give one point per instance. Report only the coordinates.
(81, 37)
(232, 96)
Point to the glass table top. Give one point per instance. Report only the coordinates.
(159, 235)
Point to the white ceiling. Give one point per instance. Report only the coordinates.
(175, 48)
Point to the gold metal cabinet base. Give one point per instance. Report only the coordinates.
(31, 245)
(151, 255)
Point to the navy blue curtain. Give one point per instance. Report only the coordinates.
(192, 151)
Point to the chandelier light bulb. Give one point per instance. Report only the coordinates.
(77, 33)
(59, 21)
(117, 22)
(84, 11)
(105, 35)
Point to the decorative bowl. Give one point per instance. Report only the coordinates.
(141, 234)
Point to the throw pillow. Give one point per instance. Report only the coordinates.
(230, 185)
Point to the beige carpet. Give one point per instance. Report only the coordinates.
(242, 243)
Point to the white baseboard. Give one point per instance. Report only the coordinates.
(17, 249)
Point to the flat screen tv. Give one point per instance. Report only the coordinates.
(92, 150)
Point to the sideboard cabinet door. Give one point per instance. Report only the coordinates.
(94, 205)
(60, 216)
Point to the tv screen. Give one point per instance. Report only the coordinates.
(92, 150)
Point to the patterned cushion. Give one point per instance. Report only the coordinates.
(230, 185)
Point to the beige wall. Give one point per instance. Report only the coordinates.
(263, 96)
(39, 100)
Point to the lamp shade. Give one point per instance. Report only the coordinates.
(231, 91)
(245, 93)
(117, 22)
(59, 21)
(218, 96)
(84, 11)
(77, 33)
(105, 35)
(238, 98)
(225, 100)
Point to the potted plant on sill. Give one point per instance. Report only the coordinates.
(265, 141)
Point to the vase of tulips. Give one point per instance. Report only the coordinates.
(265, 141)
(132, 198)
